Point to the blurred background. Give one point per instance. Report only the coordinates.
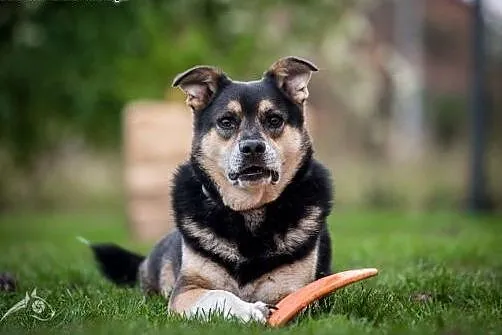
(405, 110)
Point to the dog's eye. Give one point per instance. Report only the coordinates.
(227, 123)
(275, 121)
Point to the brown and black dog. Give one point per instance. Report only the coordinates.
(250, 204)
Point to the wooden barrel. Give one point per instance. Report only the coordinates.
(157, 138)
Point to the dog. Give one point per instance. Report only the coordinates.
(250, 205)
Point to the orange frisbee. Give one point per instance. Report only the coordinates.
(295, 302)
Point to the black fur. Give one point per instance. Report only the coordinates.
(117, 264)
(324, 254)
(310, 187)
(169, 245)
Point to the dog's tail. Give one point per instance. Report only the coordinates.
(117, 264)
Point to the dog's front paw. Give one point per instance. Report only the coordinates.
(260, 311)
(229, 305)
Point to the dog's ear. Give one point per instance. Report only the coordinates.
(200, 85)
(292, 75)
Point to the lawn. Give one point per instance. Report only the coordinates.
(439, 273)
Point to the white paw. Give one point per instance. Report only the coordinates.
(229, 305)
(260, 311)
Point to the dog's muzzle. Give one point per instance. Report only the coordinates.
(253, 165)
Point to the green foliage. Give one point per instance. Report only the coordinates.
(439, 273)
(55, 74)
(67, 69)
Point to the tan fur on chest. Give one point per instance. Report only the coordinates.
(269, 288)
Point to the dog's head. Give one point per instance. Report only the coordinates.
(249, 137)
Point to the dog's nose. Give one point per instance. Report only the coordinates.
(252, 147)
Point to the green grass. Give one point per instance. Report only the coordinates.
(439, 273)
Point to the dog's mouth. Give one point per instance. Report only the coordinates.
(254, 173)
